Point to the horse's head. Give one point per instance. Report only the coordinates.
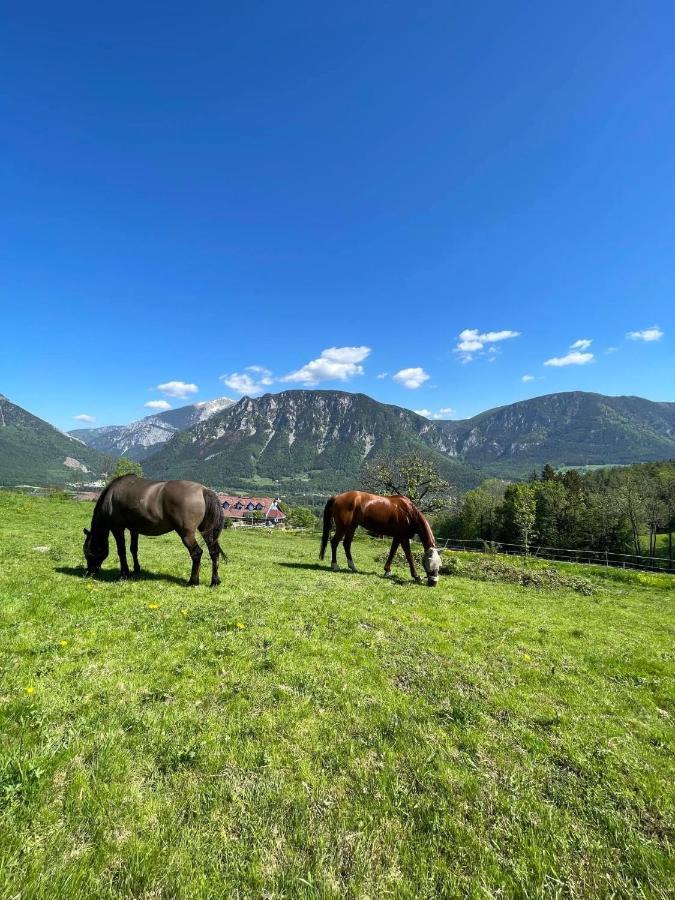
(432, 564)
(95, 551)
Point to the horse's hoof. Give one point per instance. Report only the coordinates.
(388, 575)
(215, 583)
(124, 577)
(335, 567)
(192, 584)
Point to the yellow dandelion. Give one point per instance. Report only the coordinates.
(63, 643)
(153, 605)
(240, 625)
(527, 657)
(184, 612)
(30, 690)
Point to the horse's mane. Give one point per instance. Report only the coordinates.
(421, 525)
(103, 497)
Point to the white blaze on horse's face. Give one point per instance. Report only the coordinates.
(432, 564)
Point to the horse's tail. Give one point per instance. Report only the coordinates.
(327, 521)
(214, 518)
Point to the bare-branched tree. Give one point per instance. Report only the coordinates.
(413, 476)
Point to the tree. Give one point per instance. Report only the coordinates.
(126, 466)
(524, 504)
(301, 517)
(413, 476)
(480, 510)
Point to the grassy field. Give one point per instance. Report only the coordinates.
(299, 733)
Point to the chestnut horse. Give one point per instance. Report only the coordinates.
(153, 508)
(396, 517)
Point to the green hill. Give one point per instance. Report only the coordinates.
(34, 452)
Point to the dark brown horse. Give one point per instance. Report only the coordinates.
(396, 517)
(152, 508)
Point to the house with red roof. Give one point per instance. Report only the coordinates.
(252, 510)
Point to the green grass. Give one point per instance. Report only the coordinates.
(299, 733)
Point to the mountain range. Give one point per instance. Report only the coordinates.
(141, 438)
(302, 440)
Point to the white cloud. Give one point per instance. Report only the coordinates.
(573, 358)
(471, 341)
(334, 364)
(179, 389)
(411, 378)
(527, 378)
(243, 383)
(157, 404)
(611, 350)
(84, 417)
(649, 334)
(382, 375)
(442, 413)
(581, 344)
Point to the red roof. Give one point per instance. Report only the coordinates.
(269, 509)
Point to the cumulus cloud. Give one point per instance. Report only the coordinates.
(249, 384)
(649, 334)
(581, 344)
(382, 375)
(179, 389)
(84, 417)
(411, 378)
(157, 404)
(573, 358)
(443, 413)
(471, 341)
(334, 364)
(527, 378)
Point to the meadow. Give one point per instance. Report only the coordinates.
(299, 733)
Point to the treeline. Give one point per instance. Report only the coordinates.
(618, 510)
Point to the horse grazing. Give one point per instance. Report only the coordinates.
(153, 508)
(396, 517)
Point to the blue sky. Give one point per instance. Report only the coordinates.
(333, 195)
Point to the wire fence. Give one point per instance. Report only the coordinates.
(590, 557)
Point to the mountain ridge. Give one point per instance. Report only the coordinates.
(141, 438)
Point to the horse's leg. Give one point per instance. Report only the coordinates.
(214, 553)
(390, 558)
(189, 540)
(335, 543)
(118, 534)
(134, 553)
(349, 537)
(405, 543)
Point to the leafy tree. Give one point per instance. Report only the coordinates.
(411, 475)
(126, 466)
(301, 517)
(522, 503)
(480, 510)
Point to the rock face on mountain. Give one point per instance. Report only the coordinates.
(572, 429)
(315, 439)
(143, 437)
(34, 452)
